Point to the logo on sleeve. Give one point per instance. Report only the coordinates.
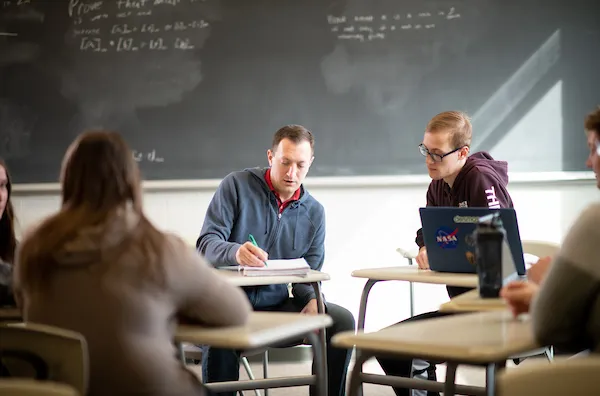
(446, 238)
(493, 202)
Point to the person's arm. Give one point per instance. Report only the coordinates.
(486, 191)
(569, 292)
(315, 257)
(204, 296)
(430, 202)
(218, 223)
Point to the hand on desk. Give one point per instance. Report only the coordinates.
(538, 271)
(311, 308)
(251, 256)
(518, 295)
(422, 260)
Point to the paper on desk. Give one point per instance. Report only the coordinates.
(283, 267)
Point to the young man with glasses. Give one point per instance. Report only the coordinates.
(459, 180)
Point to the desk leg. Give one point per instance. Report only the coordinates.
(450, 384)
(362, 315)
(490, 377)
(321, 377)
(181, 353)
(364, 298)
(323, 339)
(355, 387)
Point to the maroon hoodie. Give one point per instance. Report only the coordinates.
(481, 183)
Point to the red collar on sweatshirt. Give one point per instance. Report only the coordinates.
(282, 205)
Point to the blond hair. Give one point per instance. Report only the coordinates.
(592, 122)
(456, 123)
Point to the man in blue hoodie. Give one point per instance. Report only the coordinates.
(460, 180)
(273, 206)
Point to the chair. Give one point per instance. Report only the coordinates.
(563, 377)
(29, 387)
(410, 256)
(57, 354)
(539, 249)
(194, 353)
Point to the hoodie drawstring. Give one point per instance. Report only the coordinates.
(267, 214)
(297, 209)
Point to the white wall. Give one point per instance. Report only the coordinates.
(364, 227)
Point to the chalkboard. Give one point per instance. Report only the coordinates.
(198, 87)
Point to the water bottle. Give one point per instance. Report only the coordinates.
(489, 237)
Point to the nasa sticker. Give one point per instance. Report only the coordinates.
(446, 238)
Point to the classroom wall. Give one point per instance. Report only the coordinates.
(364, 227)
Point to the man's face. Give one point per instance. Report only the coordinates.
(593, 160)
(289, 165)
(439, 143)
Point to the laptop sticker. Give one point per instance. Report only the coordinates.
(446, 238)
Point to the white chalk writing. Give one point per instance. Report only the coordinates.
(149, 156)
(365, 28)
(128, 33)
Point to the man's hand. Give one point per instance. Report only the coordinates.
(311, 308)
(518, 296)
(251, 256)
(422, 260)
(537, 272)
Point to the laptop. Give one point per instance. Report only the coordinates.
(448, 235)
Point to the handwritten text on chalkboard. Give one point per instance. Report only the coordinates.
(127, 36)
(365, 28)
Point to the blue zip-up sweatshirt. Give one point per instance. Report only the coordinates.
(243, 204)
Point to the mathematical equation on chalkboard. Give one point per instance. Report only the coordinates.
(94, 35)
(12, 3)
(150, 156)
(366, 28)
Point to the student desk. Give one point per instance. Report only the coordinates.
(488, 339)
(264, 329)
(314, 278)
(8, 314)
(406, 273)
(471, 302)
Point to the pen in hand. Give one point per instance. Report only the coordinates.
(251, 237)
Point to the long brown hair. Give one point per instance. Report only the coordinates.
(8, 241)
(99, 176)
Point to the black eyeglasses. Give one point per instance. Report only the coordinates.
(435, 157)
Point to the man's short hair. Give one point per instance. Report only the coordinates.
(456, 123)
(295, 133)
(592, 122)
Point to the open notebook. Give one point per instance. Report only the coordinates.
(294, 267)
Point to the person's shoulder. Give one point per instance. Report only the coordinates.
(243, 178)
(580, 246)
(314, 208)
(589, 219)
(178, 252)
(237, 176)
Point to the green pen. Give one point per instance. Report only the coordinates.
(255, 244)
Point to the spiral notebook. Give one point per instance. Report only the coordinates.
(285, 267)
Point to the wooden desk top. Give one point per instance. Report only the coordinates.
(471, 302)
(412, 273)
(239, 280)
(263, 329)
(469, 338)
(9, 314)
